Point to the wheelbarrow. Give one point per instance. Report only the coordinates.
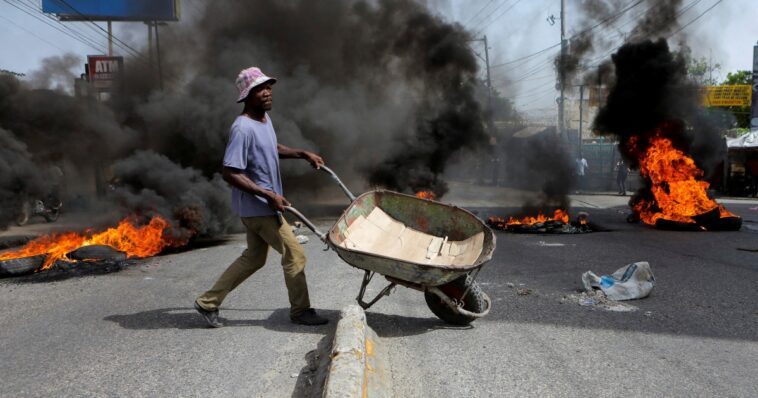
(421, 244)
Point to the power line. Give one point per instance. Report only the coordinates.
(595, 62)
(92, 41)
(625, 9)
(121, 43)
(31, 33)
(699, 16)
(493, 12)
(533, 92)
(479, 12)
(526, 57)
(54, 27)
(481, 30)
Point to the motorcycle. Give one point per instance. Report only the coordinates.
(48, 208)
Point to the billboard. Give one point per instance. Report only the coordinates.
(754, 108)
(727, 95)
(103, 71)
(113, 10)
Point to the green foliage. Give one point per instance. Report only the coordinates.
(702, 72)
(739, 77)
(741, 113)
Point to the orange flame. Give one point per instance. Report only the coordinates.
(558, 215)
(142, 241)
(502, 223)
(678, 193)
(426, 195)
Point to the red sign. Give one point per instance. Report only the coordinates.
(104, 71)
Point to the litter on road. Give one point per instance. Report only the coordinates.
(632, 281)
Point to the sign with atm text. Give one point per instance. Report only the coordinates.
(104, 71)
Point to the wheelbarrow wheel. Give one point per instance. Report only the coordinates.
(473, 302)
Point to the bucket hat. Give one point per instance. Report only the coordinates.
(250, 78)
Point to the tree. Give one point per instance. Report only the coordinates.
(739, 77)
(701, 70)
(741, 113)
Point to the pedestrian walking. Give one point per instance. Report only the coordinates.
(581, 171)
(622, 171)
(251, 167)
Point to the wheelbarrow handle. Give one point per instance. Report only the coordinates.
(339, 182)
(307, 222)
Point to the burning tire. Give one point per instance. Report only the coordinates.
(20, 266)
(473, 302)
(97, 252)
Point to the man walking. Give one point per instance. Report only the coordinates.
(251, 167)
(621, 172)
(581, 170)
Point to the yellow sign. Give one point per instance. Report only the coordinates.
(731, 95)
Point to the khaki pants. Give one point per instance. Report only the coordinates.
(263, 232)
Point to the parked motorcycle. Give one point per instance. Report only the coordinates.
(48, 208)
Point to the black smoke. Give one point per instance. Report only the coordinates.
(652, 95)
(383, 90)
(18, 173)
(371, 85)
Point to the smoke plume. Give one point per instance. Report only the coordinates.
(382, 89)
(653, 95)
(18, 173)
(57, 73)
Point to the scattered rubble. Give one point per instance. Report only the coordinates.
(598, 299)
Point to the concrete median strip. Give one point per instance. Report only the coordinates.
(358, 367)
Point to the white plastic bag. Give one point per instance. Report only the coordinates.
(630, 282)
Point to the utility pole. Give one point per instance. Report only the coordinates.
(150, 43)
(490, 123)
(710, 67)
(581, 117)
(487, 63)
(562, 75)
(110, 38)
(158, 55)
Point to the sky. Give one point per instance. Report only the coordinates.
(514, 28)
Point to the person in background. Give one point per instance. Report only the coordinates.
(622, 171)
(581, 171)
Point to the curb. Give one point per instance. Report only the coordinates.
(357, 368)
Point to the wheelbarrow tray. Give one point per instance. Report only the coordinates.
(415, 240)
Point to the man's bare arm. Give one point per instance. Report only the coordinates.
(238, 179)
(286, 152)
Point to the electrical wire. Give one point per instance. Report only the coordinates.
(34, 9)
(31, 33)
(478, 12)
(595, 62)
(488, 16)
(118, 41)
(65, 32)
(481, 30)
(624, 10)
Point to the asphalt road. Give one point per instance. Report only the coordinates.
(694, 336)
(134, 333)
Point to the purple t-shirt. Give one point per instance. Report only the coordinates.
(252, 148)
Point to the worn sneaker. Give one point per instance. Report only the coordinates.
(309, 317)
(211, 317)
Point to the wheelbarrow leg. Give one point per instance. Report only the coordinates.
(366, 279)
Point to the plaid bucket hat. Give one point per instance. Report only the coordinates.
(250, 78)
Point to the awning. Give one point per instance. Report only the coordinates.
(747, 141)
